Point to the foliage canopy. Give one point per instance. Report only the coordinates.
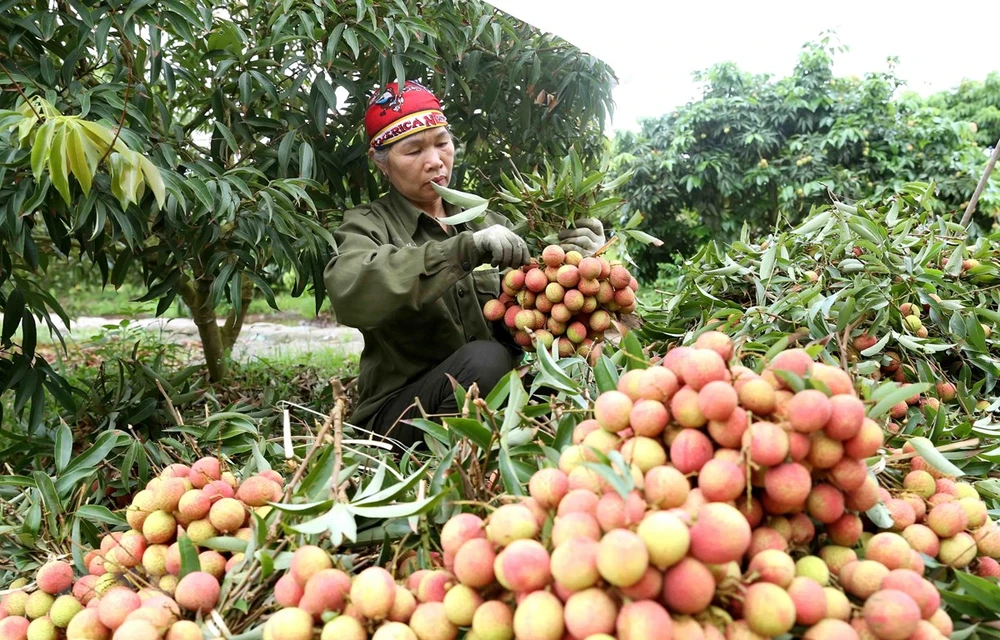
(764, 152)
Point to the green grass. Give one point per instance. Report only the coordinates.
(89, 299)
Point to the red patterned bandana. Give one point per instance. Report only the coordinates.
(393, 115)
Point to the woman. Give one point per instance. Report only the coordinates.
(416, 287)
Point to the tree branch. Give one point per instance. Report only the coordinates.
(18, 88)
(967, 218)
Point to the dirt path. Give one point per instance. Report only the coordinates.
(258, 339)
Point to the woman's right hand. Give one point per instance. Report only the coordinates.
(502, 247)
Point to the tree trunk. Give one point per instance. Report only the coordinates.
(196, 296)
(234, 321)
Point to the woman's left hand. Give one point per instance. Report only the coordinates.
(586, 237)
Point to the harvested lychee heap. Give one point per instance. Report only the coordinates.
(738, 503)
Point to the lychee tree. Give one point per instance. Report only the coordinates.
(761, 151)
(211, 161)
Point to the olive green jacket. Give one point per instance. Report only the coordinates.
(415, 292)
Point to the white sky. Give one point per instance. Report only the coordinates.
(655, 45)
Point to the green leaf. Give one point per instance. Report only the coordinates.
(880, 516)
(889, 395)
(432, 429)
(509, 474)
(59, 165)
(466, 216)
(227, 136)
(985, 591)
(352, 41)
(225, 543)
(89, 459)
(518, 398)
(64, 446)
(605, 374)
(397, 65)
(50, 498)
(619, 483)
(553, 375)
(154, 179)
(285, 151)
(76, 149)
(767, 262)
(474, 430)
(99, 513)
(934, 457)
(13, 312)
(636, 358)
(189, 556)
(878, 346)
(399, 510)
(812, 223)
(459, 198)
(41, 148)
(954, 265)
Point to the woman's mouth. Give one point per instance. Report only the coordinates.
(440, 181)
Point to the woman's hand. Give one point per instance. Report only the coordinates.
(502, 246)
(586, 237)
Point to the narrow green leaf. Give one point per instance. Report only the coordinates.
(189, 556)
(432, 429)
(509, 474)
(64, 446)
(97, 452)
(474, 430)
(225, 543)
(934, 457)
(880, 516)
(636, 358)
(466, 216)
(76, 149)
(41, 148)
(605, 374)
(894, 396)
(767, 262)
(518, 398)
(458, 198)
(553, 374)
(812, 223)
(399, 510)
(98, 513)
(305, 161)
(352, 41)
(154, 179)
(59, 165)
(53, 506)
(13, 312)
(954, 265)
(227, 135)
(878, 346)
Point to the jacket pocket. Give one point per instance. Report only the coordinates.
(487, 284)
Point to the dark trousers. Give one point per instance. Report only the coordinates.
(483, 362)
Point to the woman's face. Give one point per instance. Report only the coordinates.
(414, 162)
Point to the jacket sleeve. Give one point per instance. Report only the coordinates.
(370, 281)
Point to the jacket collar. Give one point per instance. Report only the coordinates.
(409, 214)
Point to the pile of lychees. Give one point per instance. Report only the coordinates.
(564, 299)
(132, 588)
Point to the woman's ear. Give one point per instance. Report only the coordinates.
(380, 158)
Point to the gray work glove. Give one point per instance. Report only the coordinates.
(587, 236)
(501, 246)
